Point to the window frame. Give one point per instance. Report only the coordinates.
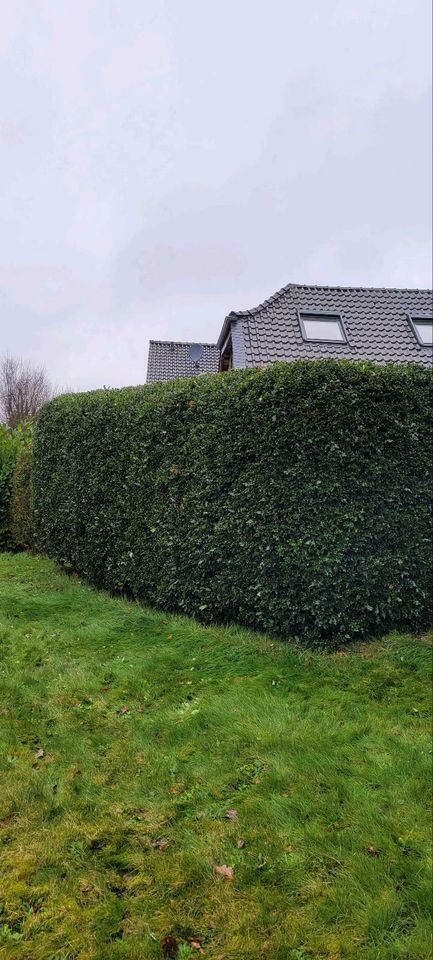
(422, 320)
(322, 315)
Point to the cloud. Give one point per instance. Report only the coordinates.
(166, 163)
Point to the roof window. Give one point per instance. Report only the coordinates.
(423, 330)
(322, 327)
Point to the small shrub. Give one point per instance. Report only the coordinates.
(21, 522)
(15, 460)
(294, 499)
(8, 450)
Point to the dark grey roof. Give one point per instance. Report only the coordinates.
(376, 321)
(169, 360)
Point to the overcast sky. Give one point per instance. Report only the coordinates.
(163, 162)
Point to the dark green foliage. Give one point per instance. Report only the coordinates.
(294, 499)
(21, 522)
(8, 450)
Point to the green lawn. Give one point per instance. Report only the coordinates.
(127, 735)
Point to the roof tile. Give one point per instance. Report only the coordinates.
(168, 360)
(376, 321)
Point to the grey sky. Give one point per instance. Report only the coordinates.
(165, 162)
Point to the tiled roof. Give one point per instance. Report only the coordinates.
(169, 360)
(376, 322)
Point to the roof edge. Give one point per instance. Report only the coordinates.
(183, 343)
(317, 286)
(225, 328)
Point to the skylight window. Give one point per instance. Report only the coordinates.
(423, 329)
(322, 327)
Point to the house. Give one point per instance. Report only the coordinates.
(167, 361)
(309, 322)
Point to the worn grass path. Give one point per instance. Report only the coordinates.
(126, 736)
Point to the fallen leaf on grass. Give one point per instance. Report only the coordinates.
(196, 945)
(240, 843)
(159, 843)
(123, 711)
(231, 814)
(224, 871)
(372, 852)
(105, 688)
(170, 636)
(169, 947)
(90, 888)
(175, 789)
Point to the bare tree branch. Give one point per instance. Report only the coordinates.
(23, 390)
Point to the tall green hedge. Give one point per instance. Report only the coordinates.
(294, 499)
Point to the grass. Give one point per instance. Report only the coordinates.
(127, 735)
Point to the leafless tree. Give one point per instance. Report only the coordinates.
(23, 390)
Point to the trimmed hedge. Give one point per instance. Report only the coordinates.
(294, 499)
